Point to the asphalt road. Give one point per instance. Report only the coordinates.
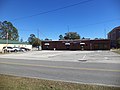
(80, 72)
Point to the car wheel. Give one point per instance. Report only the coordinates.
(5, 51)
(15, 50)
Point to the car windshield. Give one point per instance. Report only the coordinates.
(10, 47)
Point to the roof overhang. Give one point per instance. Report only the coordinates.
(82, 43)
(46, 44)
(67, 43)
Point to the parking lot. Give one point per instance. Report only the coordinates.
(71, 56)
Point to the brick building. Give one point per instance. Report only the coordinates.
(113, 36)
(102, 44)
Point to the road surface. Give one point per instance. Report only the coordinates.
(79, 72)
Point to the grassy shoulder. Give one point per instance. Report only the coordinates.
(8, 82)
(116, 51)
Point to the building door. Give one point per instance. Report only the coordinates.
(82, 46)
(47, 47)
(67, 44)
(67, 47)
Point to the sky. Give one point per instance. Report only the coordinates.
(50, 18)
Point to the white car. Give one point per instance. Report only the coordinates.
(8, 49)
(17, 49)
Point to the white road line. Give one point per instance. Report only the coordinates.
(84, 57)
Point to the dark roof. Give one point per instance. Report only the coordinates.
(11, 42)
(116, 28)
(78, 40)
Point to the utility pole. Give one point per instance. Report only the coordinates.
(38, 33)
(68, 32)
(105, 33)
(68, 28)
(7, 37)
(38, 38)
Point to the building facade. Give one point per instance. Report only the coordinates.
(103, 44)
(114, 35)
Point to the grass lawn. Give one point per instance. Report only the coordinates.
(21, 83)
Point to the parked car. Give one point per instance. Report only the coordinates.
(8, 49)
(25, 49)
(17, 49)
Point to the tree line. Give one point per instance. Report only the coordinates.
(8, 31)
(69, 36)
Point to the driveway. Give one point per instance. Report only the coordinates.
(71, 56)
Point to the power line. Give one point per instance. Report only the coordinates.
(57, 9)
(105, 21)
(43, 34)
(92, 24)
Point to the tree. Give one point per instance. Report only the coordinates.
(47, 39)
(7, 30)
(61, 37)
(83, 38)
(21, 40)
(70, 36)
(37, 42)
(34, 41)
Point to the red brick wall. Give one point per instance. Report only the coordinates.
(75, 45)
